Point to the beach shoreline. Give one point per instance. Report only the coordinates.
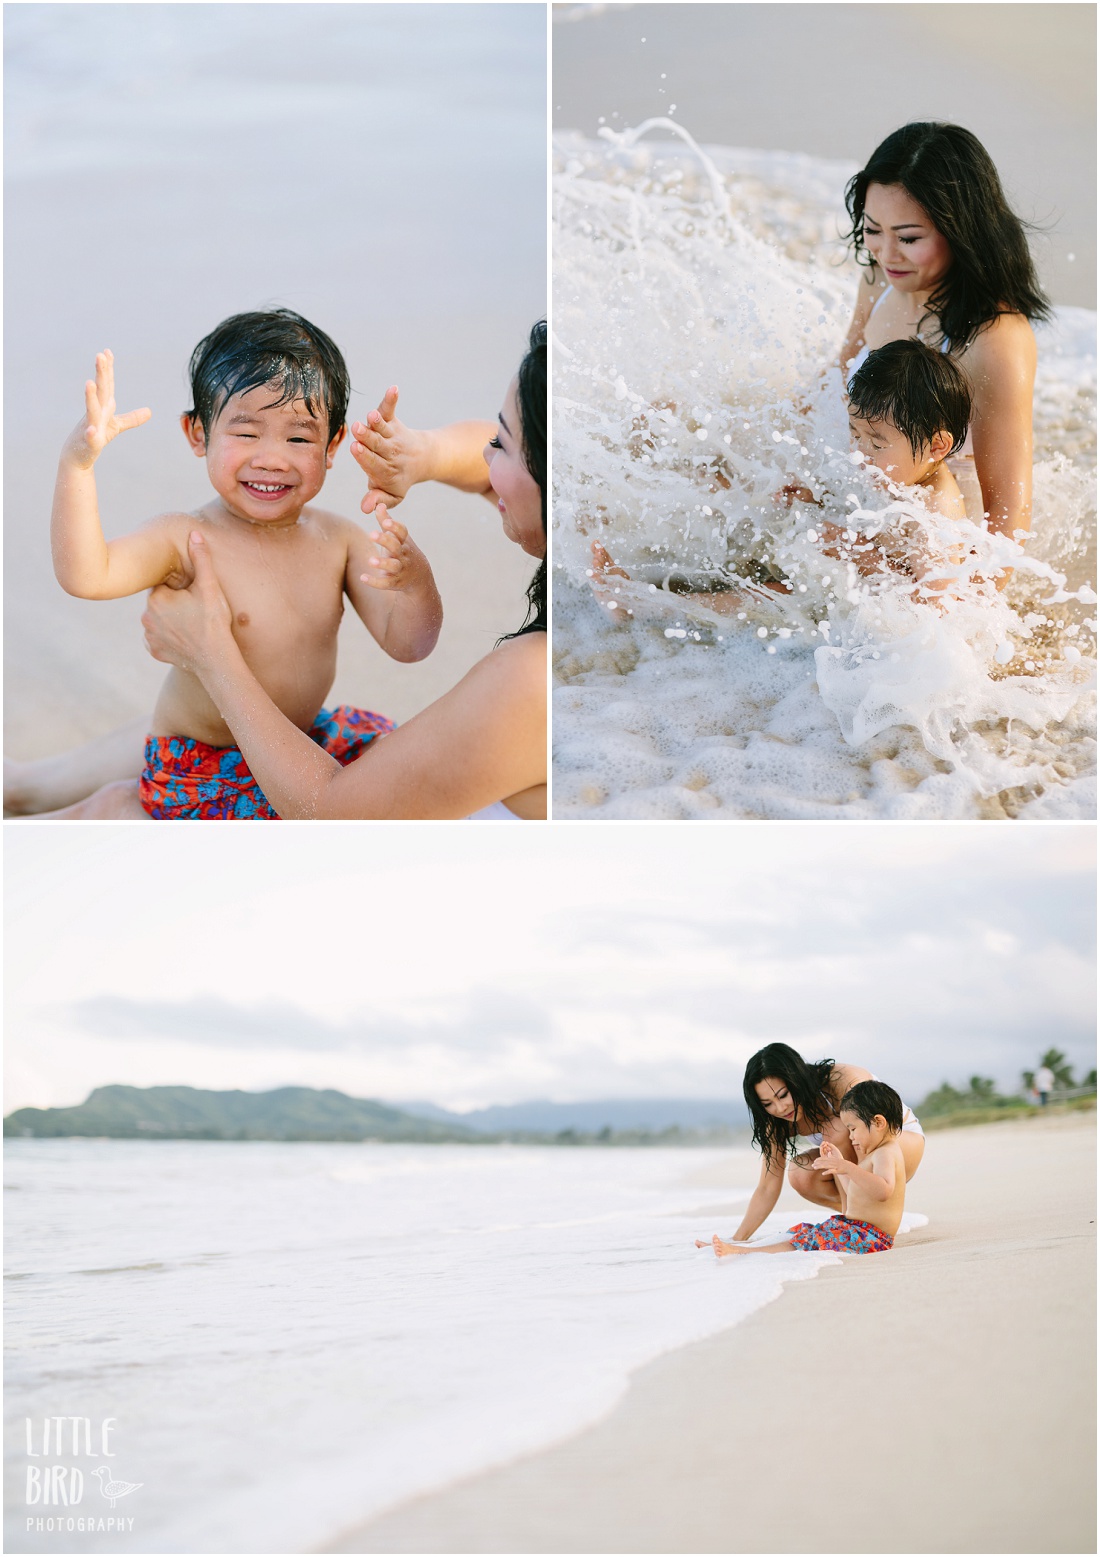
(728, 1445)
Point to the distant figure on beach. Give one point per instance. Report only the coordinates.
(248, 683)
(1044, 1084)
(871, 1188)
(789, 1099)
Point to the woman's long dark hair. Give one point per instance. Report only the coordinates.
(949, 173)
(808, 1086)
(531, 394)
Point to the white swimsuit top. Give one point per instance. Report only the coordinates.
(967, 450)
(497, 812)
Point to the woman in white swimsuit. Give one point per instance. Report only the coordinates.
(946, 260)
(478, 752)
(790, 1099)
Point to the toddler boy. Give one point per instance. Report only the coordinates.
(872, 1189)
(270, 393)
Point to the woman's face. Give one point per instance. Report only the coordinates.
(914, 255)
(776, 1097)
(518, 495)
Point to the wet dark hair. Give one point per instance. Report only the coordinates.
(808, 1085)
(949, 173)
(868, 1098)
(275, 347)
(531, 394)
(919, 390)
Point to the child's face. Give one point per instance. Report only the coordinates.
(518, 495)
(883, 446)
(863, 1137)
(900, 237)
(265, 461)
(776, 1097)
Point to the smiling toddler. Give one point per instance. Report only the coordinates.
(270, 393)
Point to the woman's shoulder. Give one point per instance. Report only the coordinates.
(845, 1076)
(1008, 338)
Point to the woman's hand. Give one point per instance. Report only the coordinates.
(391, 455)
(185, 627)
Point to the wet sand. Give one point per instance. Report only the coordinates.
(833, 80)
(963, 1364)
(152, 191)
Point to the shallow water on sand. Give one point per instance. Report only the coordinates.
(292, 1337)
(698, 296)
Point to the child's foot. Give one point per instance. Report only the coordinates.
(721, 1248)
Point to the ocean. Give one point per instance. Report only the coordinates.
(290, 1338)
(699, 292)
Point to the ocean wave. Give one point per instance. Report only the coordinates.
(699, 296)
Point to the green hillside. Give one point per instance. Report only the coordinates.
(188, 1113)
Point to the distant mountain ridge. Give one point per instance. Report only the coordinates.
(190, 1113)
(646, 1113)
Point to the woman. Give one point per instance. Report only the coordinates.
(946, 260)
(788, 1098)
(480, 750)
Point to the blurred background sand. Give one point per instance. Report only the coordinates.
(834, 80)
(379, 168)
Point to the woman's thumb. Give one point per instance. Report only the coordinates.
(199, 553)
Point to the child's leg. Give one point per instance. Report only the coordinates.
(50, 783)
(721, 1248)
(114, 802)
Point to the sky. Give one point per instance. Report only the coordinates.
(467, 965)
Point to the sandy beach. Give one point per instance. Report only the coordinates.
(144, 169)
(964, 1360)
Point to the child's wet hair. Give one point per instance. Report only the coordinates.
(277, 347)
(919, 390)
(868, 1098)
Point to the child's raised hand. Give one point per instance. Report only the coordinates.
(388, 453)
(830, 1156)
(399, 563)
(102, 422)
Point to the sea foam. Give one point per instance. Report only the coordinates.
(700, 296)
(293, 1337)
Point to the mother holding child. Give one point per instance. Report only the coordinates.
(866, 1146)
(939, 359)
(248, 593)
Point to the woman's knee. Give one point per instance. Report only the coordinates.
(811, 1186)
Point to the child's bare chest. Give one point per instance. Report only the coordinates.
(285, 589)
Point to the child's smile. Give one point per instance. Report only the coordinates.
(265, 461)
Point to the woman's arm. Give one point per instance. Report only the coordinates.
(764, 1197)
(482, 741)
(394, 457)
(1001, 368)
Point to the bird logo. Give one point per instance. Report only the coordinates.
(112, 1490)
